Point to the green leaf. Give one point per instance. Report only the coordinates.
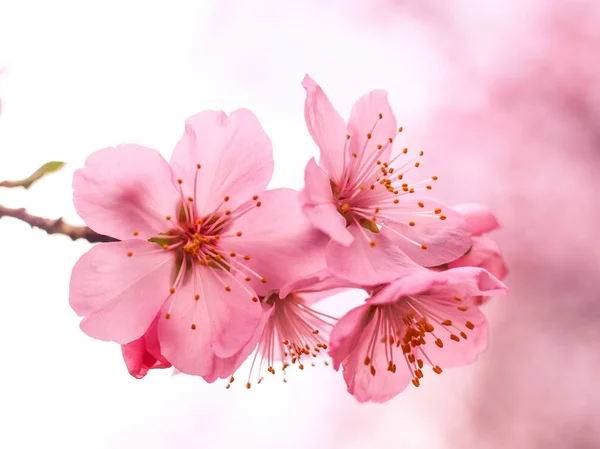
(47, 168)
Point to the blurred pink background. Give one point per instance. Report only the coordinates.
(503, 96)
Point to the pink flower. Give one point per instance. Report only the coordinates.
(190, 232)
(423, 318)
(358, 194)
(144, 354)
(484, 252)
(291, 332)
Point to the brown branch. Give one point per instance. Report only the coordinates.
(57, 226)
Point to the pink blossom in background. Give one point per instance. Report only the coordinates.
(426, 317)
(359, 197)
(179, 223)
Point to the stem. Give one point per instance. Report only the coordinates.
(57, 226)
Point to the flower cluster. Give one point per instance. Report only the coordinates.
(212, 269)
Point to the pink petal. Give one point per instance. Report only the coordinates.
(280, 241)
(226, 367)
(414, 282)
(218, 324)
(445, 240)
(364, 120)
(365, 264)
(484, 253)
(234, 152)
(346, 334)
(468, 281)
(321, 281)
(120, 295)
(319, 206)
(326, 127)
(480, 219)
(144, 354)
(124, 190)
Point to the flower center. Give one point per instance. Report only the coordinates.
(409, 325)
(198, 243)
(373, 192)
(293, 335)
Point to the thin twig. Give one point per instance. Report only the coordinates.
(57, 226)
